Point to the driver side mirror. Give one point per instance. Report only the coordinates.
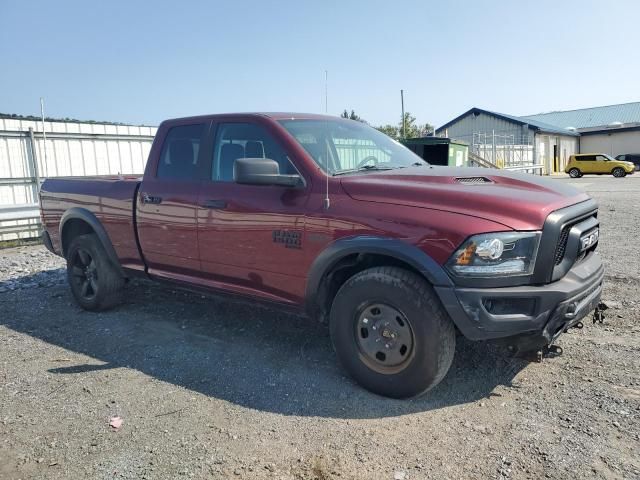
(262, 171)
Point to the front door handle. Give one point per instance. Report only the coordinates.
(146, 198)
(219, 204)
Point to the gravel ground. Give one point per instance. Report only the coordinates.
(207, 388)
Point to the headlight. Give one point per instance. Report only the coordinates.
(495, 254)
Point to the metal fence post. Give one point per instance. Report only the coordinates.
(34, 159)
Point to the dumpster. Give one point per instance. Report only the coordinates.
(440, 150)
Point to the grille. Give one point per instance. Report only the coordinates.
(562, 244)
(473, 180)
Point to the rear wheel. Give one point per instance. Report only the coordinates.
(390, 332)
(575, 173)
(95, 283)
(618, 172)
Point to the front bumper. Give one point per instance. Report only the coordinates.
(551, 308)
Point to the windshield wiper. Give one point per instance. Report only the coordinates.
(374, 167)
(364, 168)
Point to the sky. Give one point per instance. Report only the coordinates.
(141, 62)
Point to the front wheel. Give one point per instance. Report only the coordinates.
(575, 173)
(390, 332)
(95, 283)
(618, 172)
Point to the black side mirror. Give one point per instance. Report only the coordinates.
(262, 171)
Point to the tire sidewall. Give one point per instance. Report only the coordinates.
(422, 370)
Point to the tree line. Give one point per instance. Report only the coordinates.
(412, 128)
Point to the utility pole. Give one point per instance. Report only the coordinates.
(404, 127)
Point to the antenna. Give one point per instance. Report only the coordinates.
(327, 202)
(404, 128)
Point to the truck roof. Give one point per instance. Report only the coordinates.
(272, 115)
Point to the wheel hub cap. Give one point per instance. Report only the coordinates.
(384, 336)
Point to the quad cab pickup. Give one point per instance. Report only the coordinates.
(333, 218)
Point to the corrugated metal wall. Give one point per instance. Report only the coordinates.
(502, 142)
(72, 149)
(465, 128)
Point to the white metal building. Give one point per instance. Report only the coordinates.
(72, 149)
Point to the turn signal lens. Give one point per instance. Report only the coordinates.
(466, 256)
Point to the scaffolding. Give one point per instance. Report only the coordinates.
(504, 150)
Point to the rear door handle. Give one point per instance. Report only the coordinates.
(219, 204)
(146, 198)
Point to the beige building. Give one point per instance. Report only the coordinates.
(613, 129)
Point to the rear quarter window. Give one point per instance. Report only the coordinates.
(180, 154)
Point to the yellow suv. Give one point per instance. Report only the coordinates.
(597, 163)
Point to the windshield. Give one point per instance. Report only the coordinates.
(346, 146)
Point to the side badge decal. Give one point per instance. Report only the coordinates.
(288, 238)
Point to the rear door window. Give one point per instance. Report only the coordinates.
(586, 158)
(180, 157)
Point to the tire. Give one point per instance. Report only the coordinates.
(618, 172)
(408, 315)
(95, 283)
(575, 173)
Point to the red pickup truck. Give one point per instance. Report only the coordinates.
(333, 218)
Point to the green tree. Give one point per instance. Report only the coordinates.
(411, 128)
(390, 130)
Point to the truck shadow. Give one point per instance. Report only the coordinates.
(254, 357)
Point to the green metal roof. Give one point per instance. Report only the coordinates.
(590, 117)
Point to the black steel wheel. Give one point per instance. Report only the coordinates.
(385, 337)
(390, 332)
(96, 284)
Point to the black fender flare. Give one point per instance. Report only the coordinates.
(77, 213)
(390, 247)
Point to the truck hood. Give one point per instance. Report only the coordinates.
(518, 201)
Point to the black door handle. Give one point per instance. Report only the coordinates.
(146, 198)
(221, 204)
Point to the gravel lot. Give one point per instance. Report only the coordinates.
(207, 388)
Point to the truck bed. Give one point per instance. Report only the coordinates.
(110, 198)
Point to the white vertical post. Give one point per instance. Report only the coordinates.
(44, 134)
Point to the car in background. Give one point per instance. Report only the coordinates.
(630, 157)
(599, 164)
